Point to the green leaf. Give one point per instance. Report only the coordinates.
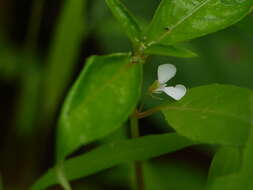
(102, 98)
(226, 162)
(215, 114)
(180, 20)
(113, 154)
(64, 52)
(174, 174)
(128, 21)
(169, 50)
(243, 178)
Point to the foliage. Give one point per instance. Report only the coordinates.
(118, 90)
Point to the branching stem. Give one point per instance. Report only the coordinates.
(138, 167)
(147, 113)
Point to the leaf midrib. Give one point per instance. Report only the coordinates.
(195, 10)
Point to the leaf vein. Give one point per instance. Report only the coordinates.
(195, 10)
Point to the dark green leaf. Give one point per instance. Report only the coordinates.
(215, 114)
(100, 101)
(173, 174)
(112, 154)
(169, 50)
(180, 20)
(127, 20)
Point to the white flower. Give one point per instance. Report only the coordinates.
(165, 73)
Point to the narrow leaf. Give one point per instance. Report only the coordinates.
(113, 154)
(169, 50)
(126, 19)
(180, 20)
(102, 98)
(215, 114)
(64, 50)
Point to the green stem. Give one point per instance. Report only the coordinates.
(149, 112)
(139, 178)
(134, 126)
(138, 58)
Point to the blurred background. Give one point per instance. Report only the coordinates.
(43, 47)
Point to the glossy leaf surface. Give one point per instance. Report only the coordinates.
(180, 20)
(102, 98)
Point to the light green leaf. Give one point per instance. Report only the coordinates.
(113, 154)
(100, 101)
(180, 20)
(128, 21)
(169, 50)
(215, 114)
(227, 161)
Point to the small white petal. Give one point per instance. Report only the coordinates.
(176, 92)
(166, 72)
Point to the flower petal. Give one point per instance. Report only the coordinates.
(176, 92)
(166, 72)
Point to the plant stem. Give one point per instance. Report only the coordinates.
(149, 112)
(140, 184)
(134, 126)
